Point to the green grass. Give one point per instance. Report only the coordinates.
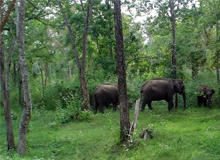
(193, 134)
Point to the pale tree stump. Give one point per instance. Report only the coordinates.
(134, 122)
(147, 133)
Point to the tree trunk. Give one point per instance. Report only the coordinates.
(6, 100)
(173, 47)
(42, 80)
(4, 77)
(26, 116)
(46, 73)
(122, 86)
(111, 32)
(81, 66)
(86, 104)
(217, 59)
(70, 71)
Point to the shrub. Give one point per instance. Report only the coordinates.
(72, 111)
(58, 92)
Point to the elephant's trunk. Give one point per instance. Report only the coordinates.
(209, 103)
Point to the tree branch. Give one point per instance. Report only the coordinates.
(5, 18)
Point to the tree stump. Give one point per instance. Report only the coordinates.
(147, 133)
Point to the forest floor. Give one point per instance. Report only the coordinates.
(192, 134)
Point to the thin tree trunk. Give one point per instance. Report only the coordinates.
(70, 71)
(110, 29)
(26, 116)
(4, 77)
(6, 100)
(81, 66)
(46, 73)
(217, 59)
(122, 86)
(173, 48)
(86, 104)
(42, 80)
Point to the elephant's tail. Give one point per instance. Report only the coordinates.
(95, 100)
(95, 104)
(141, 92)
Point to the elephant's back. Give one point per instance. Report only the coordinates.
(154, 84)
(106, 89)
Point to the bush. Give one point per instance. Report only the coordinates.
(58, 92)
(72, 111)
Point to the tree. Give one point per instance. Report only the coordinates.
(80, 64)
(122, 86)
(173, 32)
(26, 116)
(211, 11)
(4, 75)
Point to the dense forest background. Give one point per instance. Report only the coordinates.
(52, 67)
(155, 34)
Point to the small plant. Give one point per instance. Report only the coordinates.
(147, 132)
(72, 111)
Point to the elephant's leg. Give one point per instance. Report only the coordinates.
(96, 107)
(143, 106)
(204, 101)
(95, 111)
(114, 106)
(149, 105)
(101, 108)
(200, 100)
(170, 104)
(176, 101)
(209, 104)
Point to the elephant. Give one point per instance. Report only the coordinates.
(105, 94)
(161, 89)
(204, 96)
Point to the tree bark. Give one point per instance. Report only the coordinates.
(217, 58)
(173, 46)
(86, 104)
(81, 65)
(173, 30)
(4, 76)
(26, 116)
(6, 100)
(122, 86)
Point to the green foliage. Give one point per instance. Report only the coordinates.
(58, 92)
(205, 78)
(72, 111)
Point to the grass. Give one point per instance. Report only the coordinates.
(192, 134)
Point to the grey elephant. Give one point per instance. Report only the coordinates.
(105, 94)
(204, 96)
(161, 89)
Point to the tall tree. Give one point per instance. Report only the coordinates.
(122, 86)
(26, 116)
(4, 75)
(80, 64)
(173, 32)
